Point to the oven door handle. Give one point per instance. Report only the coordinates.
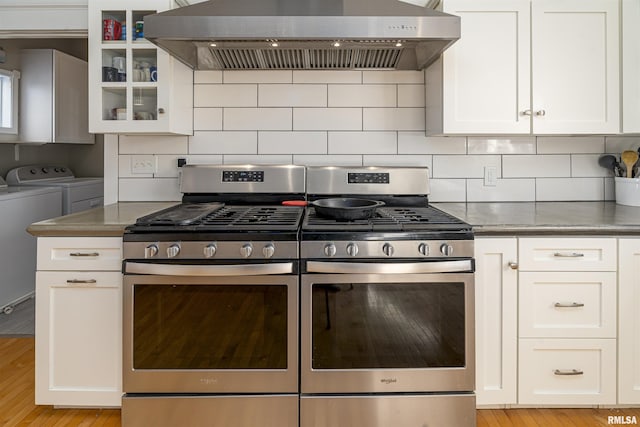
(208, 270)
(390, 268)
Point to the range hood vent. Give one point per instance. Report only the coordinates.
(303, 34)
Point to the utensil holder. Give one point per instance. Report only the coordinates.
(628, 191)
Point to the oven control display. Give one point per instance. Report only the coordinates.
(242, 176)
(368, 178)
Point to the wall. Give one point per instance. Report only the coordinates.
(356, 118)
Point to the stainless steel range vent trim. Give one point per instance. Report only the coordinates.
(372, 34)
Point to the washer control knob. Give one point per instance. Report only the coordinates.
(387, 249)
(423, 248)
(352, 249)
(173, 250)
(150, 251)
(33, 171)
(246, 250)
(45, 170)
(330, 249)
(268, 250)
(446, 249)
(210, 250)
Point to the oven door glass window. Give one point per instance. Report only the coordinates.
(209, 327)
(387, 325)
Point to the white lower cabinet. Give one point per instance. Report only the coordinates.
(79, 325)
(629, 324)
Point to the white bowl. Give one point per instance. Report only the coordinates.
(628, 191)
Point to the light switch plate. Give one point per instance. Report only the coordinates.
(143, 164)
(490, 176)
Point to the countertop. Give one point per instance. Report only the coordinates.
(496, 218)
(536, 218)
(108, 220)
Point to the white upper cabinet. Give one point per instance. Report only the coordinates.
(528, 67)
(134, 87)
(630, 66)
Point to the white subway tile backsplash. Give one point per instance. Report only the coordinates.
(256, 119)
(327, 119)
(448, 190)
(152, 144)
(586, 165)
(501, 145)
(288, 95)
(362, 96)
(327, 76)
(464, 166)
(617, 144)
(411, 96)
(363, 143)
(292, 142)
(609, 189)
(532, 166)
(203, 159)
(223, 143)
(264, 159)
(207, 76)
(149, 189)
(419, 143)
(393, 119)
(402, 160)
(570, 144)
(167, 166)
(207, 119)
(226, 96)
(402, 77)
(506, 190)
(275, 76)
(569, 189)
(327, 160)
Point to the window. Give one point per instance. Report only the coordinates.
(9, 101)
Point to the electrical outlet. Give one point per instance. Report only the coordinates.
(143, 164)
(490, 176)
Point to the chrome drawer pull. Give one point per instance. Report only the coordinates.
(76, 281)
(568, 255)
(567, 372)
(568, 305)
(84, 254)
(513, 265)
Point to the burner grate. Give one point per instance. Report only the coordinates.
(248, 217)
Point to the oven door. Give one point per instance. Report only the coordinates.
(387, 331)
(210, 328)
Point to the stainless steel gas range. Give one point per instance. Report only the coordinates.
(239, 311)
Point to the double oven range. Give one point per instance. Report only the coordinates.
(239, 311)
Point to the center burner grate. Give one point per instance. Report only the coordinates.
(253, 217)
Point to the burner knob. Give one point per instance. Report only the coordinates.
(210, 250)
(387, 249)
(329, 249)
(446, 249)
(246, 250)
(150, 251)
(423, 248)
(173, 250)
(268, 250)
(352, 249)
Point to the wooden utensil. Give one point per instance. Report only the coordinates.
(629, 158)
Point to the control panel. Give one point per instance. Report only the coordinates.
(368, 178)
(242, 176)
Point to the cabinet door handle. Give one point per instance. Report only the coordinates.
(568, 255)
(526, 113)
(84, 254)
(567, 372)
(513, 265)
(78, 281)
(541, 113)
(568, 304)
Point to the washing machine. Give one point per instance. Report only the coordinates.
(78, 194)
(19, 208)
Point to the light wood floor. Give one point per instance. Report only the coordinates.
(17, 406)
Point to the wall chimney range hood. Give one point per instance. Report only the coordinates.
(303, 34)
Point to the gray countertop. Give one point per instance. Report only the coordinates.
(525, 218)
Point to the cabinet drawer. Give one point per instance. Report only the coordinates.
(567, 254)
(567, 305)
(80, 253)
(560, 372)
